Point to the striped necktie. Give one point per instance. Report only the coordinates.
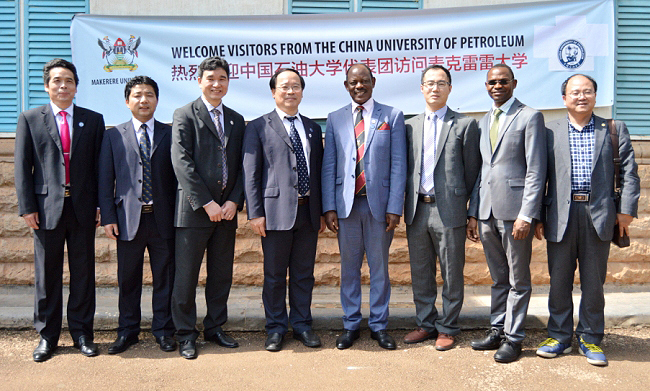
(360, 175)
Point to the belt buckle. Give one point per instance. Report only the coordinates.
(66, 193)
(581, 197)
(147, 208)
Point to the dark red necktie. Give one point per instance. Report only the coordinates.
(65, 143)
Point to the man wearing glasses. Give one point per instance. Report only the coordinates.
(579, 217)
(506, 199)
(443, 164)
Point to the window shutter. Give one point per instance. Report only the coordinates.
(9, 66)
(320, 7)
(387, 5)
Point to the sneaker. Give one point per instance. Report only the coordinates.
(594, 353)
(552, 348)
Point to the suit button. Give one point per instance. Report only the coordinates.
(139, 180)
(219, 182)
(139, 199)
(140, 163)
(354, 159)
(218, 148)
(294, 168)
(351, 176)
(63, 185)
(63, 164)
(295, 186)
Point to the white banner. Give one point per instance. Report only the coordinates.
(543, 42)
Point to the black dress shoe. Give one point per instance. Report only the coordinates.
(167, 344)
(188, 350)
(222, 339)
(43, 351)
(508, 352)
(274, 342)
(384, 340)
(122, 343)
(491, 341)
(347, 339)
(308, 338)
(86, 346)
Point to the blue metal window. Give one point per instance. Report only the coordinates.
(387, 5)
(632, 100)
(332, 6)
(9, 66)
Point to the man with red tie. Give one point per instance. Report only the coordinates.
(56, 158)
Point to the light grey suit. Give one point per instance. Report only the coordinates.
(438, 229)
(583, 230)
(511, 184)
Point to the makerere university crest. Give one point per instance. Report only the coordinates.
(119, 55)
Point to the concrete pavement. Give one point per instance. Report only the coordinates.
(626, 306)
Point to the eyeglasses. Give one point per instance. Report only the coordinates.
(440, 84)
(296, 88)
(585, 93)
(503, 82)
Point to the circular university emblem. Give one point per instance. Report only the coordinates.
(571, 54)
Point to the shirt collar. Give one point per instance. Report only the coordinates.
(137, 124)
(441, 112)
(56, 109)
(282, 115)
(506, 106)
(209, 106)
(589, 128)
(367, 106)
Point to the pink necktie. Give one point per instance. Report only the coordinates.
(65, 143)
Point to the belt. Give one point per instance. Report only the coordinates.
(147, 208)
(303, 200)
(427, 199)
(580, 197)
(66, 193)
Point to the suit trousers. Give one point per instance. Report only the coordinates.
(429, 239)
(360, 233)
(581, 243)
(48, 277)
(294, 249)
(191, 245)
(509, 263)
(130, 259)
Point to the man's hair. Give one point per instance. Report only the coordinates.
(591, 79)
(355, 64)
(212, 63)
(274, 78)
(512, 74)
(59, 63)
(437, 66)
(137, 80)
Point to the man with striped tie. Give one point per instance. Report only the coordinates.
(363, 180)
(137, 191)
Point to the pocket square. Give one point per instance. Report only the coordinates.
(384, 126)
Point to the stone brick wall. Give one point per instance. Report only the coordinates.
(628, 266)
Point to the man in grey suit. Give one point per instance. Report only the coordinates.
(443, 164)
(506, 199)
(579, 216)
(56, 157)
(207, 141)
(137, 193)
(364, 174)
(283, 152)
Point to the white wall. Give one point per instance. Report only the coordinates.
(187, 7)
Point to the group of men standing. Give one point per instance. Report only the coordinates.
(175, 191)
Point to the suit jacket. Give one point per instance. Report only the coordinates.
(270, 174)
(39, 167)
(512, 177)
(120, 180)
(196, 157)
(457, 165)
(384, 162)
(601, 203)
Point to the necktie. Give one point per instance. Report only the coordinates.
(429, 159)
(222, 138)
(145, 156)
(494, 129)
(65, 143)
(359, 126)
(303, 174)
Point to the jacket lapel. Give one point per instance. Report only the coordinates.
(78, 125)
(129, 135)
(202, 114)
(158, 133)
(416, 137)
(515, 109)
(309, 132)
(227, 125)
(374, 123)
(274, 121)
(600, 133)
(50, 124)
(444, 133)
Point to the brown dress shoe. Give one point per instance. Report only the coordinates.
(419, 335)
(445, 342)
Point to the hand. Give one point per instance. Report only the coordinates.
(472, 230)
(228, 210)
(258, 224)
(31, 220)
(98, 219)
(214, 211)
(520, 229)
(539, 231)
(322, 225)
(332, 221)
(623, 220)
(392, 220)
(111, 231)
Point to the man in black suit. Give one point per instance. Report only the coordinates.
(137, 191)
(206, 155)
(56, 156)
(283, 153)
